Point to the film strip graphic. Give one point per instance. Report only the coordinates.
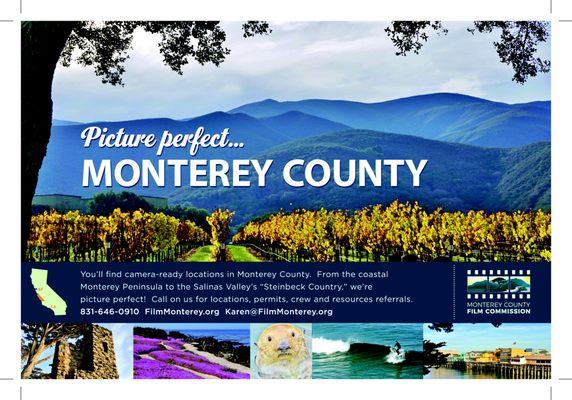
(498, 284)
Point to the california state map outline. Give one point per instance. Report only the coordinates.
(47, 296)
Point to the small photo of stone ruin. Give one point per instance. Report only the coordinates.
(76, 351)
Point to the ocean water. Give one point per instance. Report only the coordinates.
(241, 336)
(364, 351)
(448, 373)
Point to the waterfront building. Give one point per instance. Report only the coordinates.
(473, 355)
(487, 357)
(539, 359)
(506, 355)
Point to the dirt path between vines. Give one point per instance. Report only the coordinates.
(187, 255)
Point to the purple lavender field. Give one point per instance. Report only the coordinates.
(177, 358)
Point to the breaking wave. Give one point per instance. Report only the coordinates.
(394, 357)
(327, 346)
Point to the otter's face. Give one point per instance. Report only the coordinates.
(281, 341)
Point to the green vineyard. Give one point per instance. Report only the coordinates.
(121, 236)
(397, 232)
(401, 232)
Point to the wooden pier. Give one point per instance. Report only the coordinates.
(504, 371)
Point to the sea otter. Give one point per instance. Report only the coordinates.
(282, 353)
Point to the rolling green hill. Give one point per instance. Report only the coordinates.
(457, 177)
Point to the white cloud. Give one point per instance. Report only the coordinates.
(335, 60)
(471, 86)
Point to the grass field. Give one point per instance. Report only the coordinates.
(203, 254)
(241, 254)
(238, 254)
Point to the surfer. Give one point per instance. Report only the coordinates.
(397, 347)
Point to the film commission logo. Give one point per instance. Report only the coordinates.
(498, 291)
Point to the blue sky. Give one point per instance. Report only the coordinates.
(467, 337)
(299, 60)
(123, 342)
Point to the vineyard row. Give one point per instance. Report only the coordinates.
(402, 232)
(121, 236)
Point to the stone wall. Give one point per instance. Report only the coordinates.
(62, 364)
(93, 357)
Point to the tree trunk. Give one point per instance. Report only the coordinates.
(42, 44)
(33, 360)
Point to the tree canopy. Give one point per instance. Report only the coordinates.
(39, 337)
(516, 47)
(104, 203)
(105, 45)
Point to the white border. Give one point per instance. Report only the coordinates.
(286, 10)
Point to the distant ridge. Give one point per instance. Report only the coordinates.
(462, 136)
(449, 117)
(457, 177)
(62, 166)
(297, 124)
(62, 122)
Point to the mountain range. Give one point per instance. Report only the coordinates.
(448, 117)
(62, 122)
(64, 160)
(457, 177)
(482, 154)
